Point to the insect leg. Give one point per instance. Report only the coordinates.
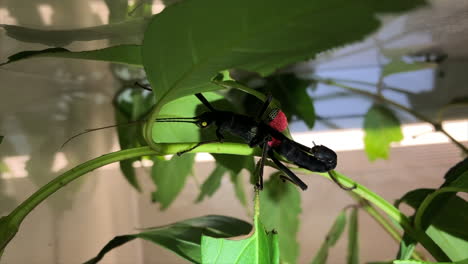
(260, 166)
(205, 102)
(264, 107)
(333, 177)
(197, 145)
(288, 172)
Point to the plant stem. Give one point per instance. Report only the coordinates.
(384, 223)
(391, 211)
(437, 126)
(9, 225)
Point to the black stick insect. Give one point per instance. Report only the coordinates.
(258, 133)
(268, 137)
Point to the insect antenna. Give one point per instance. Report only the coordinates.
(333, 177)
(86, 131)
(143, 86)
(192, 120)
(172, 120)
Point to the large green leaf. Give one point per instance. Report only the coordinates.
(281, 206)
(400, 66)
(169, 177)
(183, 238)
(353, 238)
(129, 31)
(292, 93)
(187, 44)
(381, 128)
(460, 184)
(443, 214)
(259, 247)
(449, 229)
(188, 106)
(127, 54)
(330, 240)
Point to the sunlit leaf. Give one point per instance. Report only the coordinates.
(280, 209)
(353, 238)
(126, 54)
(169, 178)
(259, 247)
(330, 240)
(183, 238)
(187, 44)
(381, 127)
(400, 66)
(188, 106)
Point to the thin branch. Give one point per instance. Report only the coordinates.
(437, 126)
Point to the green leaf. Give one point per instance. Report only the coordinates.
(126, 166)
(332, 237)
(292, 93)
(407, 246)
(188, 106)
(212, 183)
(432, 203)
(131, 104)
(127, 54)
(129, 31)
(443, 214)
(381, 128)
(449, 229)
(399, 66)
(169, 178)
(183, 238)
(455, 172)
(414, 198)
(281, 206)
(353, 239)
(427, 262)
(189, 43)
(239, 189)
(259, 247)
(234, 164)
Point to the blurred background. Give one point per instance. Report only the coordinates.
(45, 101)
